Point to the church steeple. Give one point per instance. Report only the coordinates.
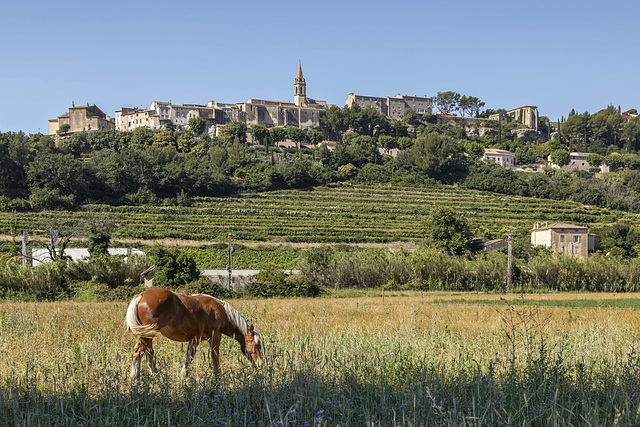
(300, 71)
(300, 88)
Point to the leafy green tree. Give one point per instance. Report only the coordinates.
(314, 136)
(410, 117)
(388, 142)
(595, 160)
(296, 174)
(235, 129)
(614, 161)
(475, 105)
(435, 155)
(474, 149)
(346, 172)
(399, 129)
(164, 138)
(197, 125)
(464, 105)
(447, 102)
(261, 135)
(278, 134)
(173, 268)
(560, 157)
(60, 174)
(185, 141)
(77, 144)
(333, 121)
(296, 135)
(404, 142)
(97, 228)
(142, 136)
(449, 231)
(631, 134)
(64, 128)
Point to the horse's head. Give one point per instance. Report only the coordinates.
(253, 346)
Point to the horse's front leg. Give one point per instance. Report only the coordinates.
(214, 343)
(191, 352)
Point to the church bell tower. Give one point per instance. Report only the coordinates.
(300, 89)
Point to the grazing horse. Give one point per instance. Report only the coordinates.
(189, 319)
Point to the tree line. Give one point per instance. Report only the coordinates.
(171, 166)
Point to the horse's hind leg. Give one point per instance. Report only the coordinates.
(191, 352)
(135, 364)
(151, 356)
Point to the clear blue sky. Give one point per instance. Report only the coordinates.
(557, 55)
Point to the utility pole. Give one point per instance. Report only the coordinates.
(25, 241)
(230, 265)
(509, 265)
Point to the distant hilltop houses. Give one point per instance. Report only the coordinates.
(304, 112)
(527, 115)
(82, 118)
(392, 107)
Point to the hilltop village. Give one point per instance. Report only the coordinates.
(306, 113)
(170, 154)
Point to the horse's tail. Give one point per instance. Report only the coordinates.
(133, 321)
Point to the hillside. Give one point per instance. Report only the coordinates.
(332, 214)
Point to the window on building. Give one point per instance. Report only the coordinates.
(562, 238)
(576, 239)
(576, 250)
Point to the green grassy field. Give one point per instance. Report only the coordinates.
(424, 359)
(339, 214)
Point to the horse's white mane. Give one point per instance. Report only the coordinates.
(234, 317)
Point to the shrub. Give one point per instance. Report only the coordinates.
(99, 292)
(273, 282)
(298, 285)
(112, 271)
(207, 287)
(173, 268)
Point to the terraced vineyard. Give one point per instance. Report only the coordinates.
(347, 214)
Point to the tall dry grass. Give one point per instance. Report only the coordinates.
(350, 361)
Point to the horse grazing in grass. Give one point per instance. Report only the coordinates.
(189, 319)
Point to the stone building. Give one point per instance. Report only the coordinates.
(164, 114)
(304, 112)
(392, 107)
(527, 115)
(84, 118)
(128, 119)
(578, 161)
(504, 158)
(571, 240)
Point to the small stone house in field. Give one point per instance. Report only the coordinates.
(487, 245)
(147, 276)
(571, 240)
(504, 158)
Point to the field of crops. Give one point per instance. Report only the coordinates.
(347, 214)
(432, 359)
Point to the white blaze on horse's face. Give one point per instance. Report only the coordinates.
(253, 346)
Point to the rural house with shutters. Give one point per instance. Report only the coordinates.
(571, 240)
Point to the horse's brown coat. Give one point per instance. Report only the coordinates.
(190, 319)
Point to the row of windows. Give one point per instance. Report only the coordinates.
(576, 249)
(576, 239)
